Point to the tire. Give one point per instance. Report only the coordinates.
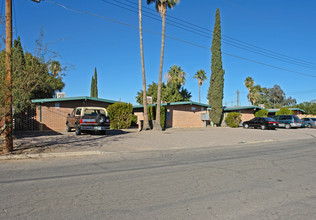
(103, 132)
(78, 130)
(100, 119)
(68, 128)
(287, 126)
(309, 126)
(246, 126)
(263, 127)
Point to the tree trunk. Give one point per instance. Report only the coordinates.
(157, 123)
(146, 123)
(8, 88)
(199, 92)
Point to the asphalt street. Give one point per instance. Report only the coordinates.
(274, 180)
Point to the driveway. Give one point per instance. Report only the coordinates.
(131, 140)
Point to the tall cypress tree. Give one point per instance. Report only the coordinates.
(94, 85)
(215, 92)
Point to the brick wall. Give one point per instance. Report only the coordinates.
(184, 116)
(54, 114)
(179, 116)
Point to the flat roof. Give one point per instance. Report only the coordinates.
(292, 109)
(176, 103)
(73, 99)
(237, 108)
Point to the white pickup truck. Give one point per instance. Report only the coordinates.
(87, 119)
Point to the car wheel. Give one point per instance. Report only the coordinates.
(287, 126)
(103, 132)
(68, 128)
(246, 126)
(78, 130)
(309, 126)
(263, 127)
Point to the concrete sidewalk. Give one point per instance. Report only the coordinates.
(130, 140)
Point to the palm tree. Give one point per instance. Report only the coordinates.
(176, 76)
(55, 68)
(201, 77)
(146, 123)
(249, 82)
(161, 7)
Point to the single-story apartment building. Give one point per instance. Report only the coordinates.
(179, 114)
(296, 111)
(51, 113)
(247, 112)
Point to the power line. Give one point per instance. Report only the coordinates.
(177, 39)
(207, 33)
(204, 32)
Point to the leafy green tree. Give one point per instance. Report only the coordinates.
(262, 113)
(32, 76)
(201, 77)
(170, 93)
(215, 92)
(94, 84)
(284, 111)
(308, 107)
(161, 7)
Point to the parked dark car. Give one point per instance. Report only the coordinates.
(310, 122)
(261, 122)
(288, 121)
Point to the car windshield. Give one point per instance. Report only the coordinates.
(269, 119)
(93, 112)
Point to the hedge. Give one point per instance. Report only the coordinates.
(233, 119)
(284, 111)
(262, 113)
(152, 115)
(120, 115)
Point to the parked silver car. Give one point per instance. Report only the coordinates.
(288, 121)
(310, 122)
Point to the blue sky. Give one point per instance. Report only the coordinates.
(285, 27)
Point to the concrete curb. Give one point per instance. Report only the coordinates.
(49, 155)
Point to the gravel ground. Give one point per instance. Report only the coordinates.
(131, 140)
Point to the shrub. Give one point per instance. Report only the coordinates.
(151, 112)
(284, 111)
(233, 119)
(163, 117)
(262, 113)
(134, 120)
(120, 115)
(152, 115)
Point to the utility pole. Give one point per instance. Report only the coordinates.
(8, 80)
(237, 98)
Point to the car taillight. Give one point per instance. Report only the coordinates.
(81, 121)
(271, 122)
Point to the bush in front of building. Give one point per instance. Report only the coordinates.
(152, 115)
(120, 115)
(233, 119)
(134, 120)
(262, 113)
(284, 111)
